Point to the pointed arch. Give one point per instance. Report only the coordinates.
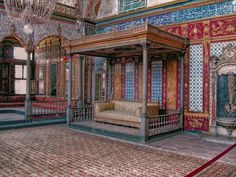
(17, 38)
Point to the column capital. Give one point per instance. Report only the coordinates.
(29, 47)
(144, 44)
(81, 57)
(69, 55)
(30, 44)
(181, 54)
(110, 60)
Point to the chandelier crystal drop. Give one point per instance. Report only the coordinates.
(29, 11)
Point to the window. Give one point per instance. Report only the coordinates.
(20, 79)
(20, 53)
(20, 86)
(20, 71)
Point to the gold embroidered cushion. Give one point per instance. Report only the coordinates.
(104, 106)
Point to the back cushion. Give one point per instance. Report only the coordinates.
(126, 106)
(119, 105)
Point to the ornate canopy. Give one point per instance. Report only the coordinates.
(127, 43)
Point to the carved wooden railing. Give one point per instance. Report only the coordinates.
(55, 107)
(83, 114)
(164, 123)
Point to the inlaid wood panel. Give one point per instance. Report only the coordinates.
(171, 84)
(118, 84)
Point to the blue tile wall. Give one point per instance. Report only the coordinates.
(212, 10)
(157, 81)
(129, 81)
(196, 78)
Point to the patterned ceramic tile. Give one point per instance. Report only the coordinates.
(128, 5)
(99, 64)
(129, 81)
(216, 48)
(207, 11)
(157, 81)
(196, 78)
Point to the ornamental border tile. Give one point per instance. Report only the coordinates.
(196, 13)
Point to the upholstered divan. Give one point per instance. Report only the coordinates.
(122, 112)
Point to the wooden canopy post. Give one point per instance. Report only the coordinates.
(69, 112)
(182, 56)
(144, 117)
(80, 82)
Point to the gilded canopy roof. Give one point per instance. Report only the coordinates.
(127, 42)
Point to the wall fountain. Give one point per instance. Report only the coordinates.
(223, 87)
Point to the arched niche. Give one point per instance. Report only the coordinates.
(50, 66)
(12, 66)
(223, 85)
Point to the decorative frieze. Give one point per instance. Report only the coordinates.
(66, 10)
(196, 13)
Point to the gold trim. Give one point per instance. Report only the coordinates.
(197, 114)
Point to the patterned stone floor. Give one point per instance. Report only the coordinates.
(194, 145)
(11, 116)
(58, 151)
(15, 108)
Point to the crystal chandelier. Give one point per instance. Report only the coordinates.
(29, 12)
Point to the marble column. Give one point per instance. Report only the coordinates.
(80, 82)
(28, 106)
(69, 110)
(144, 117)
